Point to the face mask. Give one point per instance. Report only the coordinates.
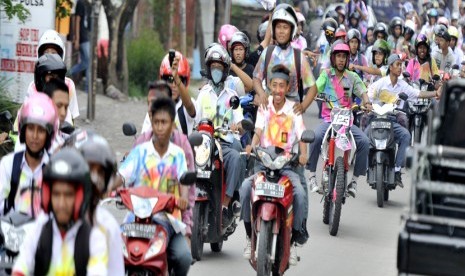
(217, 75)
(97, 179)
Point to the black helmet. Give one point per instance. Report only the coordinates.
(334, 15)
(95, 149)
(355, 15)
(380, 27)
(396, 21)
(48, 63)
(421, 39)
(329, 27)
(68, 165)
(354, 33)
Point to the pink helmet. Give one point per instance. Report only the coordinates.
(444, 21)
(300, 17)
(339, 47)
(39, 109)
(225, 34)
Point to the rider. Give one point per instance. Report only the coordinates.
(422, 66)
(21, 172)
(409, 37)
(299, 41)
(274, 122)
(428, 27)
(396, 39)
(341, 83)
(380, 53)
(102, 164)
(379, 32)
(443, 54)
(454, 38)
(62, 242)
(58, 91)
(157, 163)
(354, 39)
(328, 27)
(387, 87)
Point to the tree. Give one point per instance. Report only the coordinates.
(119, 14)
(14, 10)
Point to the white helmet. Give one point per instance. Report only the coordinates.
(285, 12)
(51, 37)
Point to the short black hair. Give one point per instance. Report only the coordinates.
(55, 84)
(163, 104)
(160, 85)
(280, 69)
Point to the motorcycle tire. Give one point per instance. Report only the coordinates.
(380, 185)
(216, 246)
(417, 134)
(264, 265)
(197, 239)
(326, 198)
(336, 204)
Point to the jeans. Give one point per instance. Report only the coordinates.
(361, 155)
(84, 52)
(179, 255)
(298, 193)
(234, 165)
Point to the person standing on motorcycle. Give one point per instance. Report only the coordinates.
(443, 54)
(386, 88)
(157, 163)
(454, 38)
(102, 165)
(396, 38)
(273, 123)
(340, 83)
(21, 172)
(62, 242)
(422, 66)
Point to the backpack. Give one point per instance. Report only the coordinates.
(297, 53)
(14, 182)
(43, 253)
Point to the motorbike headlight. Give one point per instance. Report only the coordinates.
(280, 161)
(265, 158)
(13, 236)
(380, 144)
(143, 206)
(156, 246)
(202, 152)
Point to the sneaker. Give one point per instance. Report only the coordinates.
(248, 249)
(299, 237)
(226, 218)
(313, 185)
(352, 189)
(398, 179)
(293, 258)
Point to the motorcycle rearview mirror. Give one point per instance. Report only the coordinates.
(247, 124)
(455, 67)
(195, 139)
(129, 129)
(308, 136)
(403, 96)
(406, 75)
(436, 77)
(234, 102)
(67, 128)
(6, 114)
(188, 178)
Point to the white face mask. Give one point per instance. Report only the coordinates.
(217, 75)
(98, 180)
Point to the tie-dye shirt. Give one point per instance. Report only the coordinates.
(279, 128)
(339, 89)
(286, 57)
(423, 71)
(26, 178)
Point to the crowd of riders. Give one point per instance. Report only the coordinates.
(58, 176)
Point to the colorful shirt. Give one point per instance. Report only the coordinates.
(424, 71)
(383, 91)
(62, 259)
(339, 89)
(26, 179)
(286, 57)
(358, 59)
(299, 43)
(279, 128)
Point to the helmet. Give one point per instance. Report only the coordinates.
(444, 21)
(409, 27)
(396, 21)
(51, 38)
(455, 16)
(184, 70)
(380, 45)
(453, 32)
(332, 14)
(341, 11)
(340, 34)
(239, 38)
(67, 165)
(225, 34)
(300, 17)
(422, 39)
(339, 47)
(284, 12)
(261, 31)
(441, 31)
(48, 63)
(354, 33)
(95, 149)
(432, 13)
(380, 27)
(38, 109)
(355, 15)
(217, 53)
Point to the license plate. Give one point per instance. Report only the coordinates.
(204, 174)
(269, 189)
(136, 230)
(381, 124)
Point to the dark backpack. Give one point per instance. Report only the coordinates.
(297, 53)
(43, 255)
(14, 182)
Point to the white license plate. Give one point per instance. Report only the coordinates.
(136, 230)
(269, 189)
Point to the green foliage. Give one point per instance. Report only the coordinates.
(14, 10)
(63, 8)
(161, 17)
(144, 55)
(5, 102)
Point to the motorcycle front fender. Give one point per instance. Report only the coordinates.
(267, 211)
(381, 157)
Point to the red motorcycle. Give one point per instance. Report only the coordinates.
(145, 241)
(272, 211)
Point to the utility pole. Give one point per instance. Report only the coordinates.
(92, 81)
(171, 25)
(182, 13)
(227, 12)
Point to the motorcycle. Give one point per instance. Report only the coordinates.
(337, 150)
(13, 229)
(6, 125)
(145, 241)
(272, 211)
(211, 186)
(383, 148)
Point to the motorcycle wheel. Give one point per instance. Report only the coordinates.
(216, 246)
(380, 185)
(264, 264)
(197, 233)
(417, 134)
(326, 199)
(336, 205)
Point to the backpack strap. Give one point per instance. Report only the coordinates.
(14, 182)
(81, 249)
(182, 119)
(269, 51)
(43, 254)
(300, 85)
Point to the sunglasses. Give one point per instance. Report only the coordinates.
(170, 79)
(329, 33)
